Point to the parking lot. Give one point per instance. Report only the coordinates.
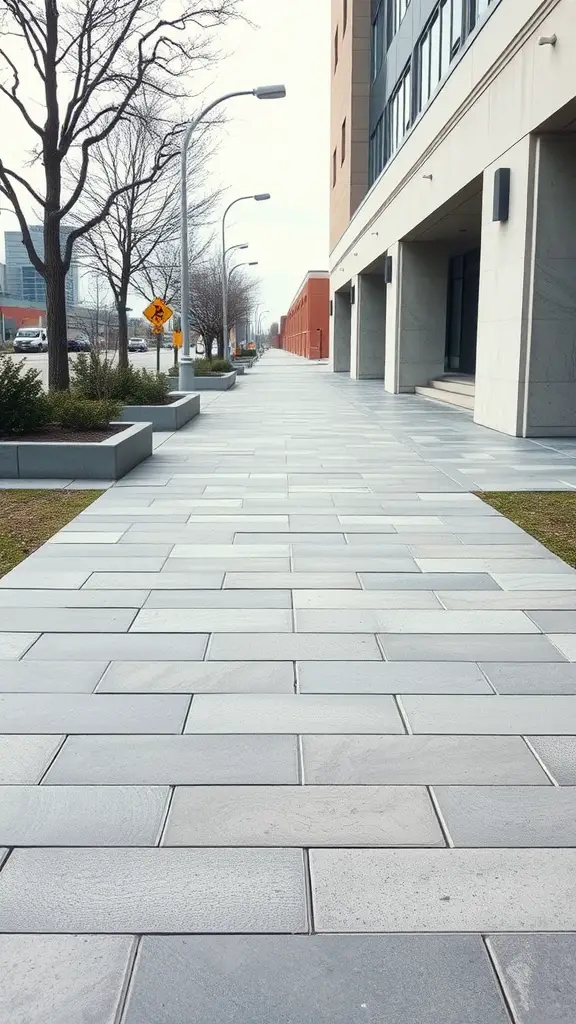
(148, 359)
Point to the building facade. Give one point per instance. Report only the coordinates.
(453, 204)
(22, 279)
(305, 328)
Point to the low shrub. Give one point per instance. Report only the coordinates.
(23, 404)
(96, 377)
(74, 413)
(205, 367)
(174, 371)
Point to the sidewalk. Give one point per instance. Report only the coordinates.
(288, 728)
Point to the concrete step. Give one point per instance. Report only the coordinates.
(459, 385)
(449, 397)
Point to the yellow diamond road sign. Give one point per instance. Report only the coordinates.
(157, 312)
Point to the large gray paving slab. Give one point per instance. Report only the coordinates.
(119, 647)
(325, 979)
(558, 754)
(72, 598)
(301, 816)
(85, 550)
(14, 645)
(214, 620)
(24, 577)
(249, 599)
(64, 979)
(24, 759)
(81, 815)
(95, 563)
(428, 581)
(469, 647)
(92, 713)
(537, 975)
(420, 760)
(443, 890)
(153, 891)
(390, 677)
(566, 644)
(555, 621)
(354, 562)
(516, 715)
(154, 581)
(67, 620)
(510, 678)
(436, 621)
(359, 600)
(508, 816)
(293, 647)
(505, 599)
(50, 677)
(176, 760)
(199, 677)
(175, 566)
(514, 580)
(292, 580)
(282, 713)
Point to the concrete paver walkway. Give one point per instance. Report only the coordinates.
(288, 728)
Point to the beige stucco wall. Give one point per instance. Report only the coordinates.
(350, 100)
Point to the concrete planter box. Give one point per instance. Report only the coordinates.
(82, 460)
(239, 368)
(181, 410)
(222, 383)
(248, 361)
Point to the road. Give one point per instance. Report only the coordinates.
(147, 359)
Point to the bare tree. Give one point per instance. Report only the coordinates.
(159, 275)
(85, 65)
(145, 215)
(205, 312)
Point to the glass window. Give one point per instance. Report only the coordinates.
(378, 39)
(435, 53)
(445, 51)
(479, 8)
(424, 70)
(396, 11)
(376, 151)
(399, 113)
(457, 16)
(33, 287)
(407, 100)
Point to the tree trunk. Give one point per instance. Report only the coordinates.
(122, 333)
(220, 340)
(56, 328)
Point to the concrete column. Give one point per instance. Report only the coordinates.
(421, 313)
(369, 328)
(526, 364)
(340, 333)
(391, 333)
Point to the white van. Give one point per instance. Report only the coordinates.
(31, 339)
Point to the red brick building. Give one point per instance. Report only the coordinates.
(305, 328)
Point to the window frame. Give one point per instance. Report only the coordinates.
(378, 40)
(399, 113)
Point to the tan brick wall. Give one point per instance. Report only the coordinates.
(350, 101)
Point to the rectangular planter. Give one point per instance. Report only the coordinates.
(222, 383)
(81, 460)
(239, 368)
(181, 410)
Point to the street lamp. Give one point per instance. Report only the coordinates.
(253, 263)
(262, 92)
(260, 197)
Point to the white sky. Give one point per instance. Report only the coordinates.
(277, 146)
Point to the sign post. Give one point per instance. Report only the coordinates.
(158, 313)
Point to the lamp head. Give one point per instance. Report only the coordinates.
(262, 196)
(270, 92)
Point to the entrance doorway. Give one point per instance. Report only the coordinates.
(462, 320)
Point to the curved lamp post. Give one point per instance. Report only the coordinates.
(262, 92)
(260, 197)
(253, 263)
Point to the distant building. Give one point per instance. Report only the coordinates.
(15, 313)
(305, 328)
(22, 279)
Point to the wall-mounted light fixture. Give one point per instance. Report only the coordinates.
(501, 204)
(353, 295)
(388, 267)
(548, 40)
(428, 177)
(331, 307)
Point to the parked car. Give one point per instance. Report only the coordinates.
(31, 339)
(137, 345)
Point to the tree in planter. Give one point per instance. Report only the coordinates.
(90, 61)
(205, 312)
(142, 154)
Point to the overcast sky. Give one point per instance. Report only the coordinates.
(281, 147)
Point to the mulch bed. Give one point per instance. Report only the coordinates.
(63, 434)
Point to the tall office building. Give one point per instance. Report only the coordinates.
(22, 279)
(453, 204)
